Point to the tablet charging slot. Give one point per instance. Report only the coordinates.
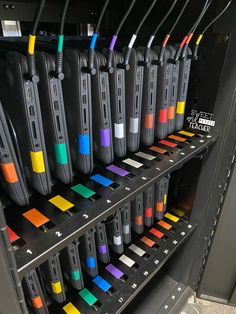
(31, 111)
(136, 102)
(56, 105)
(28, 93)
(54, 90)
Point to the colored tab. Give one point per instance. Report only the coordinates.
(105, 139)
(69, 308)
(179, 212)
(172, 217)
(177, 138)
(137, 250)
(93, 41)
(167, 143)
(12, 235)
(180, 107)
(148, 212)
(31, 44)
(158, 150)
(134, 125)
(61, 153)
(84, 144)
(101, 180)
(119, 129)
(164, 225)
(102, 283)
(37, 302)
(171, 112)
(199, 39)
(147, 241)
(132, 163)
(139, 220)
(117, 240)
(159, 206)
(88, 296)
(149, 121)
(90, 261)
(75, 275)
(163, 116)
(83, 190)
(56, 287)
(60, 43)
(114, 271)
(37, 162)
(117, 170)
(35, 217)
(189, 134)
(9, 172)
(61, 203)
(102, 249)
(145, 156)
(156, 233)
(165, 199)
(126, 260)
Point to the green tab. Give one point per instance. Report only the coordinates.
(61, 154)
(83, 190)
(75, 275)
(88, 296)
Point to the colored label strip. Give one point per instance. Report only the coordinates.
(132, 163)
(83, 190)
(102, 283)
(56, 287)
(88, 296)
(126, 260)
(149, 212)
(147, 241)
(75, 275)
(137, 250)
(158, 150)
(171, 217)
(61, 203)
(35, 217)
(177, 138)
(164, 225)
(9, 172)
(156, 233)
(167, 143)
(145, 156)
(69, 308)
(37, 302)
(102, 249)
(114, 271)
(61, 153)
(12, 235)
(37, 162)
(101, 180)
(84, 144)
(90, 261)
(189, 134)
(117, 170)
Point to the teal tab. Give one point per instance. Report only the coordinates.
(61, 154)
(83, 190)
(60, 43)
(75, 275)
(88, 296)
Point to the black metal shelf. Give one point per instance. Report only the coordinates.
(39, 245)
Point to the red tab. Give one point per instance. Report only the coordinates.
(167, 143)
(12, 235)
(149, 212)
(156, 233)
(163, 116)
(139, 220)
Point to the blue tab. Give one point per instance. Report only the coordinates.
(84, 144)
(101, 180)
(90, 262)
(102, 283)
(93, 41)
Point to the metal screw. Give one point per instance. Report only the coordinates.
(6, 6)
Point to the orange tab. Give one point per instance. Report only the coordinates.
(149, 121)
(37, 302)
(139, 220)
(35, 217)
(158, 150)
(9, 172)
(147, 241)
(171, 112)
(159, 206)
(164, 225)
(177, 138)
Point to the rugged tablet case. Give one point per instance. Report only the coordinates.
(184, 74)
(102, 244)
(102, 125)
(71, 266)
(163, 95)
(78, 107)
(21, 101)
(149, 99)
(126, 222)
(148, 204)
(137, 214)
(11, 173)
(54, 119)
(88, 253)
(114, 233)
(34, 293)
(133, 98)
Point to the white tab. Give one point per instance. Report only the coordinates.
(150, 41)
(132, 40)
(119, 130)
(126, 260)
(132, 163)
(117, 240)
(137, 250)
(145, 156)
(126, 229)
(133, 127)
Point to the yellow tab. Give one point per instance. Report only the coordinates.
(165, 199)
(186, 133)
(69, 308)
(37, 161)
(56, 287)
(61, 203)
(178, 212)
(180, 107)
(172, 217)
(199, 39)
(31, 44)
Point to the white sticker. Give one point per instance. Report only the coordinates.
(119, 130)
(145, 156)
(207, 122)
(126, 229)
(132, 163)
(131, 43)
(137, 250)
(126, 260)
(117, 240)
(133, 128)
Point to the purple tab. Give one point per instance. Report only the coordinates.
(117, 170)
(113, 42)
(105, 137)
(114, 271)
(102, 249)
